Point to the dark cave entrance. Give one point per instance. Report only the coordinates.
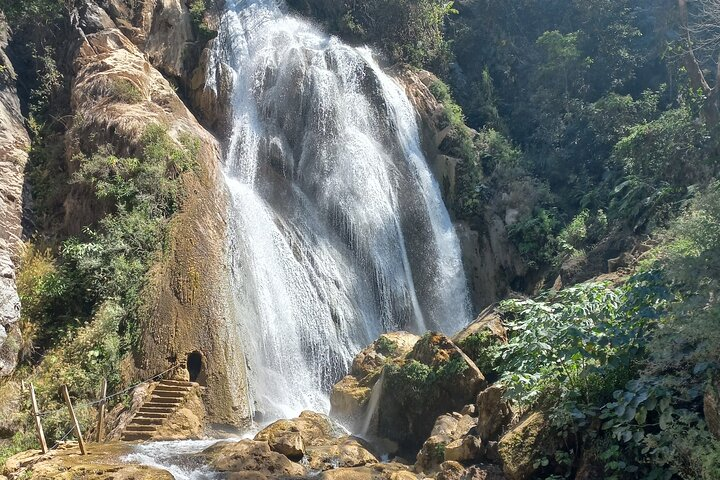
(195, 367)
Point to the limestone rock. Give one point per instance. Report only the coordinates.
(350, 395)
(494, 413)
(484, 472)
(450, 470)
(314, 429)
(448, 429)
(388, 346)
(283, 437)
(341, 452)
(348, 399)
(488, 322)
(379, 471)
(465, 449)
(250, 456)
(14, 145)
(527, 442)
(64, 462)
(451, 381)
(315, 436)
(479, 337)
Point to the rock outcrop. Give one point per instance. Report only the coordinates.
(435, 377)
(187, 305)
(65, 463)
(522, 448)
(476, 340)
(349, 397)
(14, 145)
(322, 443)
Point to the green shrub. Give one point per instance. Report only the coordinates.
(535, 237)
(125, 91)
(20, 442)
(481, 348)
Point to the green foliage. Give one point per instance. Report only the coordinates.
(19, 442)
(481, 348)
(198, 8)
(534, 236)
(125, 91)
(26, 12)
(113, 258)
(409, 31)
(385, 346)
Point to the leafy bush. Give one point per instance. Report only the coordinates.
(534, 236)
(480, 347)
(19, 442)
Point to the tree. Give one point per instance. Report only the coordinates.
(702, 44)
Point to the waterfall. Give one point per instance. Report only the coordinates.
(338, 232)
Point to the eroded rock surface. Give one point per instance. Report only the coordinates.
(14, 145)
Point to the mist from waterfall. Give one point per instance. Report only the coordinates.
(337, 227)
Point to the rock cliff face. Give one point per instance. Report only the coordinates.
(186, 303)
(14, 143)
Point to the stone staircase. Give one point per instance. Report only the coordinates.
(165, 398)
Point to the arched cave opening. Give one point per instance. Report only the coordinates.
(195, 367)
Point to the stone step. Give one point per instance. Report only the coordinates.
(172, 388)
(164, 401)
(168, 393)
(140, 428)
(132, 436)
(153, 414)
(178, 383)
(146, 421)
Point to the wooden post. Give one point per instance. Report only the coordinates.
(101, 415)
(76, 425)
(38, 424)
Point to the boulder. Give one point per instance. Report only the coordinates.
(379, 471)
(284, 437)
(450, 470)
(465, 449)
(480, 336)
(313, 428)
(350, 395)
(315, 437)
(525, 444)
(436, 377)
(250, 457)
(494, 413)
(448, 430)
(387, 347)
(340, 453)
(348, 400)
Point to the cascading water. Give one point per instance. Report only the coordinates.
(338, 229)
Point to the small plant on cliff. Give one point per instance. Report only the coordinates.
(144, 193)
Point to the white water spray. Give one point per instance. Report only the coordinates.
(337, 228)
